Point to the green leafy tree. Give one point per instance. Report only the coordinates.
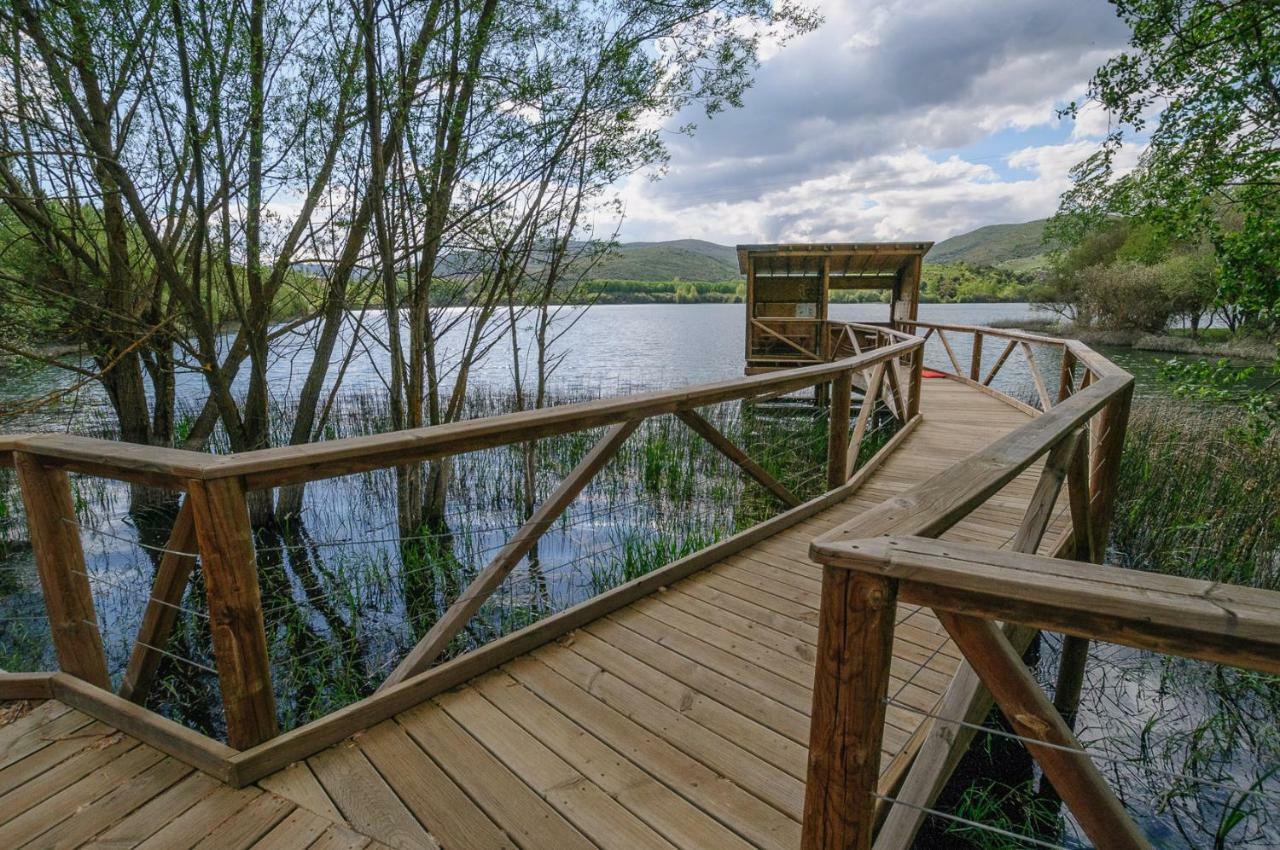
(1206, 73)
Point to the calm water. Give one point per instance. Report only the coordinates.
(343, 605)
(608, 348)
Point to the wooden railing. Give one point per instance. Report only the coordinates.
(970, 588)
(1079, 433)
(213, 522)
(975, 370)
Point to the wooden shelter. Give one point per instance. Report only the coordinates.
(789, 290)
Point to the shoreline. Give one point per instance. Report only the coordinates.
(1235, 349)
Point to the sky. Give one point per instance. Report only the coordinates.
(912, 121)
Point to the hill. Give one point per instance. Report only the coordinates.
(679, 259)
(1017, 247)
(1012, 247)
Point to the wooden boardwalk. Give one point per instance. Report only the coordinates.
(681, 720)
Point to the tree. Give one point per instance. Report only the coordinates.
(1207, 74)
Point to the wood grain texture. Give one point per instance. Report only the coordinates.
(230, 574)
(162, 606)
(851, 682)
(55, 543)
(1173, 615)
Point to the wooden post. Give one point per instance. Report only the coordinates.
(162, 608)
(917, 378)
(855, 648)
(1074, 776)
(1066, 693)
(221, 517)
(975, 358)
(55, 542)
(1066, 378)
(838, 430)
(1104, 471)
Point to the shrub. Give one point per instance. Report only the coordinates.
(1125, 295)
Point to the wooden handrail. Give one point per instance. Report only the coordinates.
(970, 587)
(1210, 621)
(264, 468)
(836, 813)
(216, 515)
(214, 519)
(934, 505)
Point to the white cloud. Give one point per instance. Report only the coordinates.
(840, 137)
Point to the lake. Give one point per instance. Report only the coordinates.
(603, 349)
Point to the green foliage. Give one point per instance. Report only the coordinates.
(1210, 167)
(1016, 809)
(1128, 274)
(1124, 295)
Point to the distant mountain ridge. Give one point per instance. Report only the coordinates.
(1017, 247)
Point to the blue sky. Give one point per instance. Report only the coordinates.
(899, 120)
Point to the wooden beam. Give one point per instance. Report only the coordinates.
(1070, 679)
(838, 429)
(700, 426)
(1067, 374)
(1073, 774)
(152, 729)
(1040, 507)
(1210, 621)
(791, 342)
(975, 357)
(487, 580)
(894, 397)
(915, 384)
(851, 681)
(1046, 401)
(955, 361)
(864, 418)
(934, 505)
(329, 458)
(25, 686)
(1105, 467)
(1004, 355)
(161, 612)
(306, 740)
(966, 700)
(230, 571)
(64, 578)
(1083, 538)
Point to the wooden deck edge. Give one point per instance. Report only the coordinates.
(251, 765)
(14, 686)
(174, 739)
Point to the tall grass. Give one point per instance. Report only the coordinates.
(1196, 500)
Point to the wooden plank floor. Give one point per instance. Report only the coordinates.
(679, 721)
(67, 780)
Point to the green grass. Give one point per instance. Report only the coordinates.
(1196, 499)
